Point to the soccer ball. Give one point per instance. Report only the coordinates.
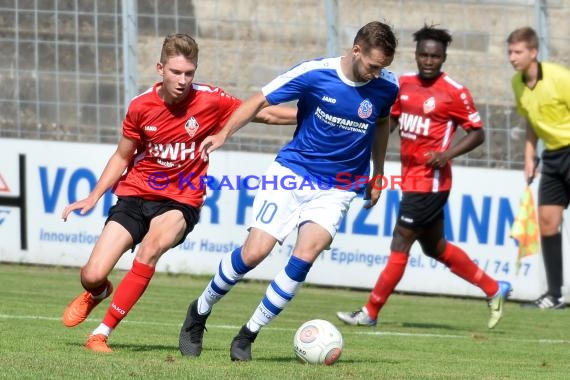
(318, 342)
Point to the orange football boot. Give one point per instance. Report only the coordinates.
(79, 309)
(97, 343)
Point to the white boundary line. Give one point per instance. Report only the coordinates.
(371, 333)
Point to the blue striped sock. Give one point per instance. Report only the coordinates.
(279, 293)
(230, 271)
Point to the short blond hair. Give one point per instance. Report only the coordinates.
(179, 44)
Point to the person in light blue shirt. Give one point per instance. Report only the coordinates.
(343, 107)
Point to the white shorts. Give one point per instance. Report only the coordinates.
(279, 209)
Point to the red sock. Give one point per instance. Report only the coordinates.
(128, 293)
(462, 265)
(387, 281)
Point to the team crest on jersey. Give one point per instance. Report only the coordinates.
(429, 105)
(365, 109)
(191, 126)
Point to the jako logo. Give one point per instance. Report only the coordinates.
(329, 99)
(150, 128)
(118, 309)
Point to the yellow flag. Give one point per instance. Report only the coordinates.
(525, 228)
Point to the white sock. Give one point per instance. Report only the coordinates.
(253, 326)
(203, 307)
(102, 329)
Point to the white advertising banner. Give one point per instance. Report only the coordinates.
(38, 179)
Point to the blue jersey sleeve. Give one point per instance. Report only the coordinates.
(290, 85)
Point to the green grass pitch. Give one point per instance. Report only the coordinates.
(418, 337)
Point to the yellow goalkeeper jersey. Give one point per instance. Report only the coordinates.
(547, 105)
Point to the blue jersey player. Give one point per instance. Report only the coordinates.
(343, 107)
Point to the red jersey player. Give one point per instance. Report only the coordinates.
(429, 108)
(159, 194)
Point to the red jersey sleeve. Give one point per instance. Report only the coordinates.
(228, 104)
(131, 127)
(463, 111)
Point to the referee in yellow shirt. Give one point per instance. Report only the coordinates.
(542, 93)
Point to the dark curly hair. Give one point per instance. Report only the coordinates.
(430, 32)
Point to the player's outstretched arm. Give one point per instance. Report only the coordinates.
(111, 174)
(278, 115)
(241, 116)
